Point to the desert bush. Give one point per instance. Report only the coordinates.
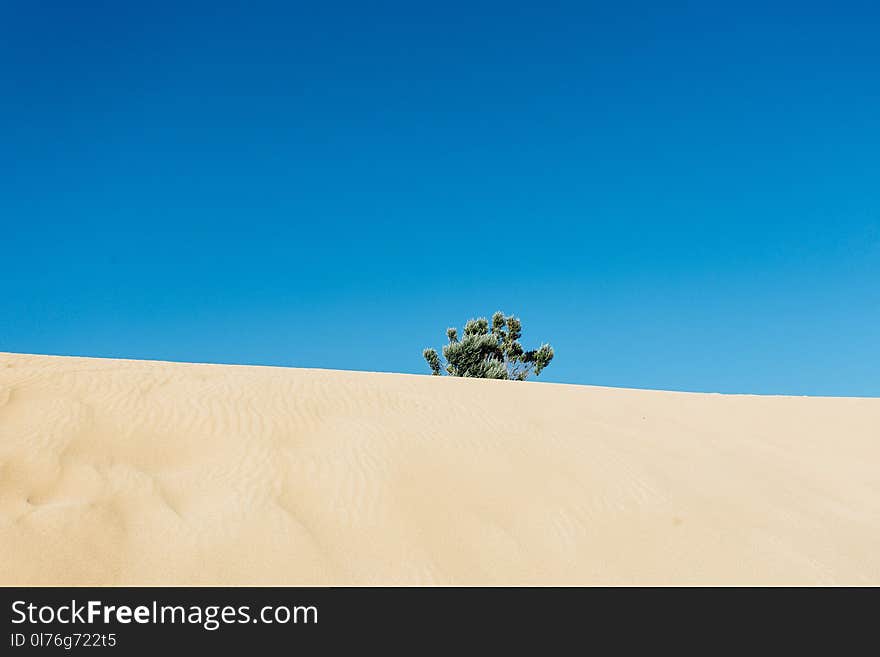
(489, 351)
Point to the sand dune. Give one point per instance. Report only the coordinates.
(134, 472)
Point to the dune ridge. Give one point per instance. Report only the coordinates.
(122, 472)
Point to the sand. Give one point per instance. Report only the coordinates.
(121, 472)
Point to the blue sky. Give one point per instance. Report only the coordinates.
(675, 195)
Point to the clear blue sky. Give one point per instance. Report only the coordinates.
(675, 195)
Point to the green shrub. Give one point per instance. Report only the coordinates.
(489, 352)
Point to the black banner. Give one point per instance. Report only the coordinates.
(125, 621)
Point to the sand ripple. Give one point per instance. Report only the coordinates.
(130, 472)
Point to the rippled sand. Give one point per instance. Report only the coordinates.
(135, 472)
